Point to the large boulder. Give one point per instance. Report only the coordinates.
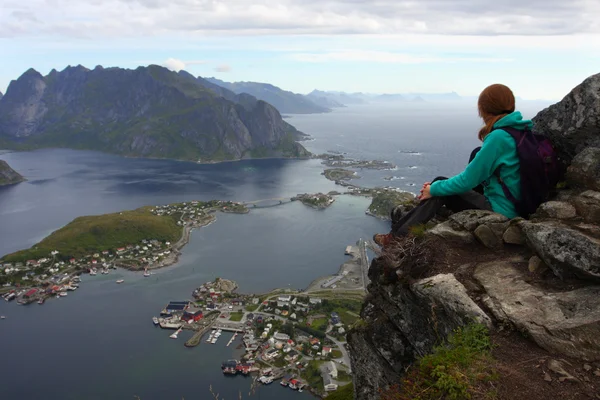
(567, 250)
(587, 205)
(471, 219)
(447, 231)
(584, 171)
(556, 210)
(566, 323)
(574, 122)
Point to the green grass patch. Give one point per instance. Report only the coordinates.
(312, 374)
(345, 392)
(343, 376)
(319, 324)
(92, 234)
(336, 354)
(418, 231)
(236, 316)
(251, 307)
(454, 371)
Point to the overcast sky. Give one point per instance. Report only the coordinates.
(541, 48)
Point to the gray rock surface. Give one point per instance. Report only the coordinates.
(447, 291)
(584, 171)
(513, 235)
(471, 219)
(556, 209)
(566, 323)
(446, 231)
(486, 236)
(587, 205)
(536, 264)
(573, 123)
(566, 250)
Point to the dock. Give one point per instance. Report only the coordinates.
(230, 329)
(195, 339)
(232, 339)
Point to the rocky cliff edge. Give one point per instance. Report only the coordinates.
(533, 284)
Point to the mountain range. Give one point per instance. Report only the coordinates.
(283, 100)
(146, 112)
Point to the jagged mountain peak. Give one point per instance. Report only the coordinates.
(150, 112)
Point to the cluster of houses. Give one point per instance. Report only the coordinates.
(194, 211)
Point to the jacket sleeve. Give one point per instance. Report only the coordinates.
(481, 168)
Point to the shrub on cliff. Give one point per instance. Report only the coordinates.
(453, 371)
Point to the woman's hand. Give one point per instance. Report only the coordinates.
(425, 192)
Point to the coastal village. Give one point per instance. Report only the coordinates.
(294, 338)
(53, 276)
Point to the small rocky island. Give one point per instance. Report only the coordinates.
(339, 174)
(319, 201)
(8, 176)
(386, 199)
(340, 161)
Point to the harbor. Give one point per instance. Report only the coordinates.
(282, 337)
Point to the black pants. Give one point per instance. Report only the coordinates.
(427, 209)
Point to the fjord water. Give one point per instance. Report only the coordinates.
(99, 342)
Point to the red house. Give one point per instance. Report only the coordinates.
(30, 293)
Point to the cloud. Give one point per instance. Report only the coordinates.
(139, 18)
(389, 57)
(223, 68)
(177, 65)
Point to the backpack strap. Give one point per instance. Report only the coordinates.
(505, 188)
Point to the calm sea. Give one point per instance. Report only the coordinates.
(99, 342)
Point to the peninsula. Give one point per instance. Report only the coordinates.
(8, 176)
(146, 238)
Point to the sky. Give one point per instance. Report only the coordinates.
(540, 48)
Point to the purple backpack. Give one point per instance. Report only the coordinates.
(539, 169)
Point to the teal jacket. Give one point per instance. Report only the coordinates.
(498, 150)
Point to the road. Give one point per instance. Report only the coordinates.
(340, 345)
(364, 262)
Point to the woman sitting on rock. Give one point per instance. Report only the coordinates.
(496, 159)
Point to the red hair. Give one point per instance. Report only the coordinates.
(495, 102)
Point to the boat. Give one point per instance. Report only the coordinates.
(265, 380)
(93, 272)
(214, 340)
(63, 294)
(283, 382)
(146, 273)
(174, 335)
(41, 301)
(58, 296)
(10, 297)
(121, 281)
(2, 317)
(155, 320)
(105, 271)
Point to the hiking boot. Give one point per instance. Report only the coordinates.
(382, 239)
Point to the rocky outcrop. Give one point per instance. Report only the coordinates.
(584, 171)
(573, 124)
(570, 251)
(565, 323)
(400, 324)
(148, 112)
(9, 176)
